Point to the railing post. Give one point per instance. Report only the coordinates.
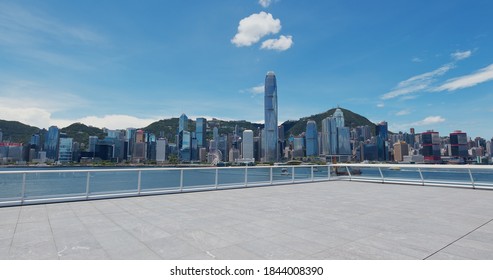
(23, 191)
(328, 172)
(271, 175)
(381, 174)
(421, 175)
(88, 180)
(292, 174)
(139, 181)
(348, 172)
(181, 180)
(472, 178)
(311, 171)
(246, 175)
(216, 179)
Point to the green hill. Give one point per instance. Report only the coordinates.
(17, 132)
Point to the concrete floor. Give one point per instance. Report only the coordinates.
(326, 220)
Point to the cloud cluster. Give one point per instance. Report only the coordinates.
(265, 3)
(458, 55)
(427, 82)
(252, 28)
(480, 76)
(417, 83)
(281, 44)
(256, 26)
(428, 121)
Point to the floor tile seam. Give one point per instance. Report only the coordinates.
(53, 238)
(15, 231)
(461, 237)
(242, 245)
(141, 242)
(92, 235)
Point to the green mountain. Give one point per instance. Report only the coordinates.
(17, 132)
(351, 120)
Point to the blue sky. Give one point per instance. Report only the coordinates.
(118, 64)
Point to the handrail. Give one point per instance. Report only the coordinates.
(34, 191)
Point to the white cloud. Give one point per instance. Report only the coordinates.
(418, 83)
(113, 121)
(403, 112)
(265, 3)
(416, 60)
(257, 90)
(458, 55)
(480, 76)
(281, 44)
(252, 28)
(428, 121)
(380, 105)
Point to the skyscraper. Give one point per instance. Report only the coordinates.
(431, 146)
(200, 130)
(247, 145)
(51, 142)
(270, 151)
(183, 123)
(458, 144)
(311, 139)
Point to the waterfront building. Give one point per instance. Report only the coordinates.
(326, 136)
(161, 145)
(200, 132)
(458, 144)
(1, 136)
(65, 149)
(93, 140)
(183, 123)
(130, 141)
(185, 145)
(382, 141)
(311, 136)
(298, 147)
(51, 143)
(368, 152)
(401, 149)
(431, 146)
(343, 141)
(270, 134)
(247, 145)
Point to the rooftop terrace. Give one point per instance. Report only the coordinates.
(323, 220)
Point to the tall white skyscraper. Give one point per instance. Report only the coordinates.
(270, 149)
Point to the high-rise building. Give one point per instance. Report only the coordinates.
(401, 149)
(326, 136)
(65, 149)
(51, 142)
(298, 147)
(458, 144)
(431, 146)
(200, 132)
(161, 150)
(270, 150)
(343, 141)
(382, 141)
(183, 123)
(93, 140)
(185, 145)
(311, 136)
(247, 145)
(1, 136)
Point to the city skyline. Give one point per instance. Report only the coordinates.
(422, 65)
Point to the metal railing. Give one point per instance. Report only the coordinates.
(34, 186)
(471, 176)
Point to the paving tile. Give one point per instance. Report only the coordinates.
(33, 213)
(266, 249)
(9, 215)
(172, 247)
